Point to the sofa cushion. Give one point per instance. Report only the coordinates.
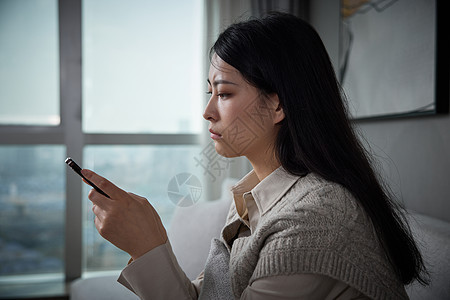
(192, 229)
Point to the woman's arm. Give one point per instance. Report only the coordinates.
(300, 287)
(157, 275)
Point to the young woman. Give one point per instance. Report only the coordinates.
(311, 221)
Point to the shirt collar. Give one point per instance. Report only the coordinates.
(246, 184)
(266, 193)
(272, 188)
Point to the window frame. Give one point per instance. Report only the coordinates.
(70, 134)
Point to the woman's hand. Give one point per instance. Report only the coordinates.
(126, 220)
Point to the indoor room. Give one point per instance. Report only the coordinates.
(131, 92)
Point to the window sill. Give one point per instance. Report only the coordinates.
(57, 290)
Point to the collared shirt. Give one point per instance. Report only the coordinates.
(157, 275)
(253, 198)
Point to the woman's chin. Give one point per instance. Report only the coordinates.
(225, 151)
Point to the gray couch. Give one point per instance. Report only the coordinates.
(192, 229)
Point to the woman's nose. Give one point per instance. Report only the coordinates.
(210, 113)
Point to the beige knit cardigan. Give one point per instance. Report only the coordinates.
(317, 227)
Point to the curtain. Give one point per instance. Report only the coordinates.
(299, 8)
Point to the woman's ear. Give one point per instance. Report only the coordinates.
(276, 109)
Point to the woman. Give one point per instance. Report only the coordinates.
(311, 221)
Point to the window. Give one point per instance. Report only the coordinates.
(31, 209)
(124, 111)
(29, 62)
(141, 74)
(141, 66)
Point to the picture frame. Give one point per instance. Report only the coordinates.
(393, 60)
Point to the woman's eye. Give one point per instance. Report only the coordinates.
(223, 95)
(219, 95)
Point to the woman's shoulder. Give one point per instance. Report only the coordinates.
(319, 226)
(316, 207)
(314, 196)
(314, 187)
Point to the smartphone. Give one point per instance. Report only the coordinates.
(69, 161)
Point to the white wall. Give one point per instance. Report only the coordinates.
(414, 152)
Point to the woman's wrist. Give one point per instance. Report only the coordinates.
(143, 249)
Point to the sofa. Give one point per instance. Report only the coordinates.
(192, 229)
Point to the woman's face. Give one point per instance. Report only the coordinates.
(242, 122)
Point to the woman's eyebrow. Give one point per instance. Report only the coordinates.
(220, 81)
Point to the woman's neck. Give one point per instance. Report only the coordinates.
(264, 166)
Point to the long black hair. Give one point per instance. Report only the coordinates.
(283, 54)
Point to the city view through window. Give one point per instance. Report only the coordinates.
(118, 96)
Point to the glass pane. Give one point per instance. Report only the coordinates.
(29, 62)
(148, 171)
(32, 203)
(142, 66)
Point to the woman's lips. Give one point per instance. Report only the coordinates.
(215, 135)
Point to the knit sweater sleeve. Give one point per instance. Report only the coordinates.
(318, 228)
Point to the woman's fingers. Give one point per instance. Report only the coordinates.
(104, 184)
(127, 220)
